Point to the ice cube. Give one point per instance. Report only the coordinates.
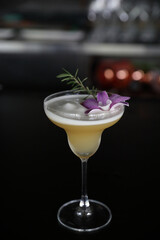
(69, 107)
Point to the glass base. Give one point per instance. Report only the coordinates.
(95, 217)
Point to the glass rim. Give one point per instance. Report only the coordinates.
(67, 92)
(92, 117)
(60, 93)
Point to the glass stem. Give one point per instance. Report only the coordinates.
(84, 202)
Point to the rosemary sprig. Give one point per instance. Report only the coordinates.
(76, 83)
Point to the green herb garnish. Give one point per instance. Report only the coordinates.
(76, 83)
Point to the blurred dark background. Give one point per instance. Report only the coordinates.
(116, 44)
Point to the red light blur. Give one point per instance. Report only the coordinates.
(108, 74)
(122, 74)
(138, 75)
(118, 74)
(113, 74)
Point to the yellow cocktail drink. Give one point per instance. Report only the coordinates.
(83, 130)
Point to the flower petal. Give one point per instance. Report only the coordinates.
(90, 104)
(107, 106)
(115, 98)
(102, 98)
(94, 111)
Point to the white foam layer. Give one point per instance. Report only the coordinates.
(68, 110)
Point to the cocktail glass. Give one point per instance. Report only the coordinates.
(84, 132)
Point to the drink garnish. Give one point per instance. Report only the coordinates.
(76, 83)
(99, 100)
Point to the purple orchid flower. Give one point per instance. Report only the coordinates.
(90, 104)
(104, 102)
(100, 103)
(102, 98)
(117, 99)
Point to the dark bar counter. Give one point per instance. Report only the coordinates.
(39, 172)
